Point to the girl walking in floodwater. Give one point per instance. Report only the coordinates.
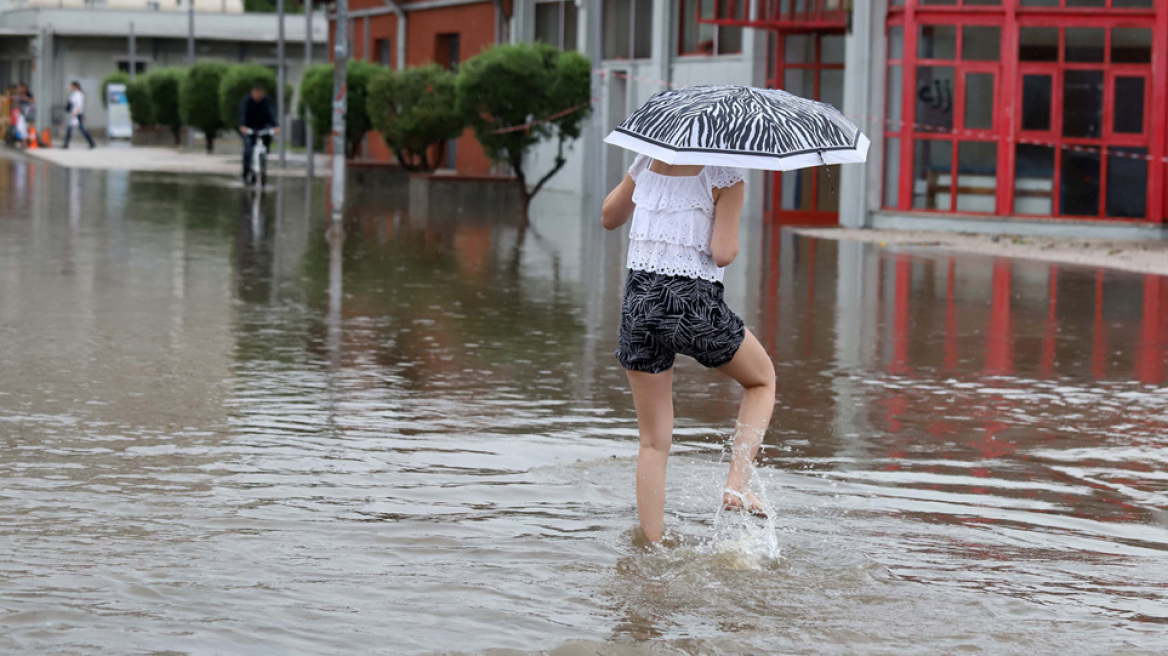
(684, 232)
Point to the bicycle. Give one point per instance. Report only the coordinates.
(259, 158)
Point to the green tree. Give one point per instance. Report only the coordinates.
(141, 107)
(113, 78)
(165, 85)
(506, 87)
(316, 90)
(199, 99)
(415, 112)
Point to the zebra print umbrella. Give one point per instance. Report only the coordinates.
(739, 126)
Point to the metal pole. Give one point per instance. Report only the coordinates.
(190, 31)
(190, 59)
(594, 148)
(308, 45)
(133, 55)
(340, 104)
(280, 81)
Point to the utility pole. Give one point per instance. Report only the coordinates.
(308, 45)
(280, 81)
(133, 55)
(190, 59)
(190, 31)
(594, 147)
(340, 105)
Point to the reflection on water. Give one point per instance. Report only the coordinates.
(227, 431)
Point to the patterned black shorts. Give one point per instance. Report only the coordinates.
(666, 315)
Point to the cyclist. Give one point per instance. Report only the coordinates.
(255, 114)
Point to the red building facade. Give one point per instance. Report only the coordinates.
(442, 33)
(1027, 108)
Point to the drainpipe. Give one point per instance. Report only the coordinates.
(502, 23)
(863, 84)
(402, 31)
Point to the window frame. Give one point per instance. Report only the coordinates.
(1007, 131)
(681, 24)
(565, 6)
(632, 45)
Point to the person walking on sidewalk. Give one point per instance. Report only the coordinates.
(77, 114)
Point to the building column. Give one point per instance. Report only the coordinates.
(593, 196)
(44, 78)
(864, 57)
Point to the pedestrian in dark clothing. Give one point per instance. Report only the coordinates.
(255, 113)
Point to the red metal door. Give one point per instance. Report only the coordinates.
(808, 64)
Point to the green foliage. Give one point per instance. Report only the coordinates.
(164, 85)
(316, 92)
(511, 85)
(269, 6)
(141, 108)
(199, 99)
(237, 83)
(113, 78)
(415, 111)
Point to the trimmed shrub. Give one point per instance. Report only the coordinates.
(513, 85)
(316, 90)
(141, 108)
(165, 85)
(415, 111)
(199, 99)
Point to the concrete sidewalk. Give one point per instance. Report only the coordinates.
(174, 160)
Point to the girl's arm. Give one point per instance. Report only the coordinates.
(727, 208)
(618, 207)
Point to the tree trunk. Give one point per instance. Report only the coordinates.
(210, 142)
(524, 195)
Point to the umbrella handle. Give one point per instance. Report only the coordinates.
(829, 181)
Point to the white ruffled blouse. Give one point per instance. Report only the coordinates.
(673, 222)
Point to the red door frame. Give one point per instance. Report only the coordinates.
(781, 66)
(1009, 73)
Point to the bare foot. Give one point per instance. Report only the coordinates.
(743, 502)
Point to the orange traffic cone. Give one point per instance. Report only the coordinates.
(46, 138)
(32, 138)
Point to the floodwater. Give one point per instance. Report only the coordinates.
(223, 433)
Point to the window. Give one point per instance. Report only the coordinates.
(555, 23)
(139, 67)
(446, 51)
(1063, 130)
(698, 38)
(628, 29)
(383, 51)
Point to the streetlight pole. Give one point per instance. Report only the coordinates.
(280, 81)
(190, 59)
(133, 54)
(190, 31)
(340, 105)
(308, 45)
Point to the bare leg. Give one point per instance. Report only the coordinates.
(653, 396)
(753, 369)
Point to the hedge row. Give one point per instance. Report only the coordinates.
(205, 96)
(531, 86)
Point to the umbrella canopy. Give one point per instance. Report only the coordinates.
(740, 126)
